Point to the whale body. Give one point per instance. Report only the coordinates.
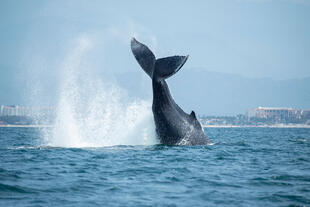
(173, 126)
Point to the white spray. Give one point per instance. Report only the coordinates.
(91, 113)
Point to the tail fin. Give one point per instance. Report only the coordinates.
(166, 67)
(159, 69)
(144, 56)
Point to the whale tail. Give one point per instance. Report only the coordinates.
(157, 69)
(168, 66)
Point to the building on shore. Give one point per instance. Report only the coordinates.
(13, 110)
(278, 113)
(305, 114)
(261, 116)
(273, 112)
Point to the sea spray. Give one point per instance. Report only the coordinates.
(91, 113)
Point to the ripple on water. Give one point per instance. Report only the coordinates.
(246, 167)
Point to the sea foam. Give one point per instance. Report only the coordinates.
(92, 113)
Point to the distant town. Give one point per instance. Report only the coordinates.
(260, 117)
(255, 117)
(26, 115)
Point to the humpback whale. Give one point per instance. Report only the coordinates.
(173, 126)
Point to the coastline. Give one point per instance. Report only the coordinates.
(204, 126)
(259, 126)
(24, 126)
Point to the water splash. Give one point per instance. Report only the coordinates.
(91, 113)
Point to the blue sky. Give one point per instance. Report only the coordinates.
(256, 38)
(252, 38)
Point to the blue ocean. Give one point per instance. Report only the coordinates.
(244, 167)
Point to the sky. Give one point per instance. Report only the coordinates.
(251, 38)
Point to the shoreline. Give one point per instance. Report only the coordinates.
(24, 126)
(204, 126)
(259, 126)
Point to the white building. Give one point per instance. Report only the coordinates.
(274, 113)
(25, 111)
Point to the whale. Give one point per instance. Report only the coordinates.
(172, 125)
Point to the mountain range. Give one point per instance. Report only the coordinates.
(205, 92)
(212, 93)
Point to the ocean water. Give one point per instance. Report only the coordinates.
(244, 167)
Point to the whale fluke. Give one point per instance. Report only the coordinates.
(144, 56)
(166, 67)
